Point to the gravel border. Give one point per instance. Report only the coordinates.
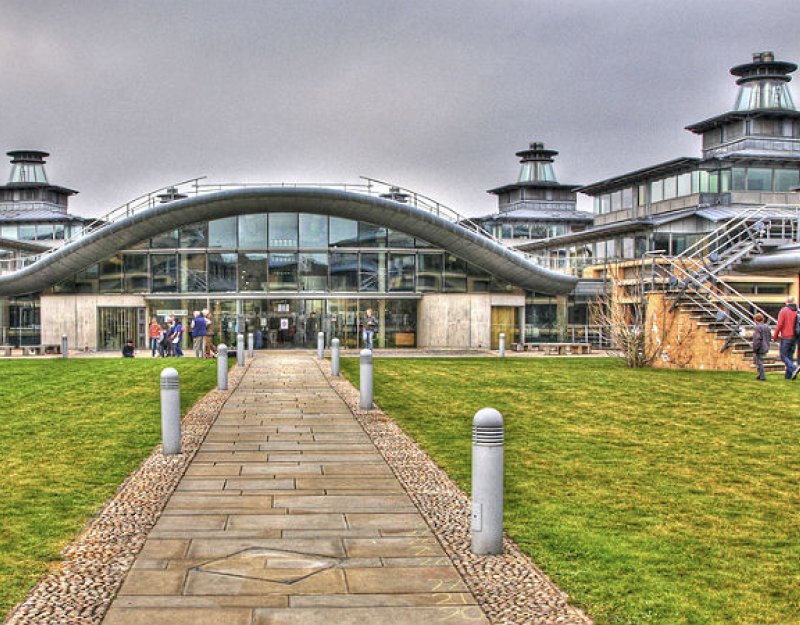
(510, 588)
(81, 587)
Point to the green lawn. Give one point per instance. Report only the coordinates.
(70, 432)
(650, 496)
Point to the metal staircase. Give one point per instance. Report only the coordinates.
(693, 283)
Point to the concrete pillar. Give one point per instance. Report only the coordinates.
(249, 344)
(240, 350)
(320, 345)
(561, 316)
(502, 347)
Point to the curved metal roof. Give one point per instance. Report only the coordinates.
(108, 240)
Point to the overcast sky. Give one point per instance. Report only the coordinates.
(432, 95)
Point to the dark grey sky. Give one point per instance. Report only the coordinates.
(433, 95)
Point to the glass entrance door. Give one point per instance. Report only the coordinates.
(115, 325)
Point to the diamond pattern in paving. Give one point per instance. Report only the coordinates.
(288, 515)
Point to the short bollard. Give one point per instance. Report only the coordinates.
(240, 350)
(321, 345)
(170, 412)
(335, 357)
(249, 344)
(502, 348)
(222, 367)
(64, 346)
(487, 482)
(365, 379)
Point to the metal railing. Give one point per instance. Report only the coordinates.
(195, 187)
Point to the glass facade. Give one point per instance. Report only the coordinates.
(282, 253)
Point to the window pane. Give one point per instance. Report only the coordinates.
(222, 232)
(222, 272)
(44, 232)
(166, 240)
(283, 230)
(739, 179)
(313, 270)
(627, 198)
(616, 201)
(400, 239)
(252, 272)
(724, 180)
(27, 233)
(786, 179)
(111, 275)
(343, 232)
(401, 272)
(193, 273)
(194, 235)
(373, 272)
(282, 269)
(344, 272)
(429, 272)
(657, 191)
(370, 235)
(164, 273)
(684, 184)
(759, 179)
(313, 231)
(135, 268)
(253, 232)
(670, 187)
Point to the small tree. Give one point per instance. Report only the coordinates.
(621, 312)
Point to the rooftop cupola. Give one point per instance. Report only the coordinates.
(537, 164)
(764, 84)
(27, 167)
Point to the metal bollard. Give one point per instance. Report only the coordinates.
(502, 348)
(487, 482)
(240, 350)
(222, 367)
(335, 357)
(64, 346)
(321, 345)
(249, 344)
(170, 412)
(365, 379)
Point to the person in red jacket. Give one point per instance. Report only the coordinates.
(784, 330)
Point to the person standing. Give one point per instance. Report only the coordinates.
(199, 331)
(760, 344)
(177, 337)
(785, 331)
(209, 350)
(370, 328)
(155, 333)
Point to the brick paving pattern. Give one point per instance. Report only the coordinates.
(289, 515)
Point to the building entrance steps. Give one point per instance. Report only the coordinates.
(289, 515)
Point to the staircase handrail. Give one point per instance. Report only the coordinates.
(713, 237)
(732, 308)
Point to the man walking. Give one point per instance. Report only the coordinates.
(784, 330)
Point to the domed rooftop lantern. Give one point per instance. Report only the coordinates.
(27, 167)
(537, 164)
(764, 84)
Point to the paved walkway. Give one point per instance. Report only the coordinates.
(288, 515)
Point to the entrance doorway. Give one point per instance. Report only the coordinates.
(115, 325)
(504, 320)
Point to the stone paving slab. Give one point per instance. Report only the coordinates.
(288, 515)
